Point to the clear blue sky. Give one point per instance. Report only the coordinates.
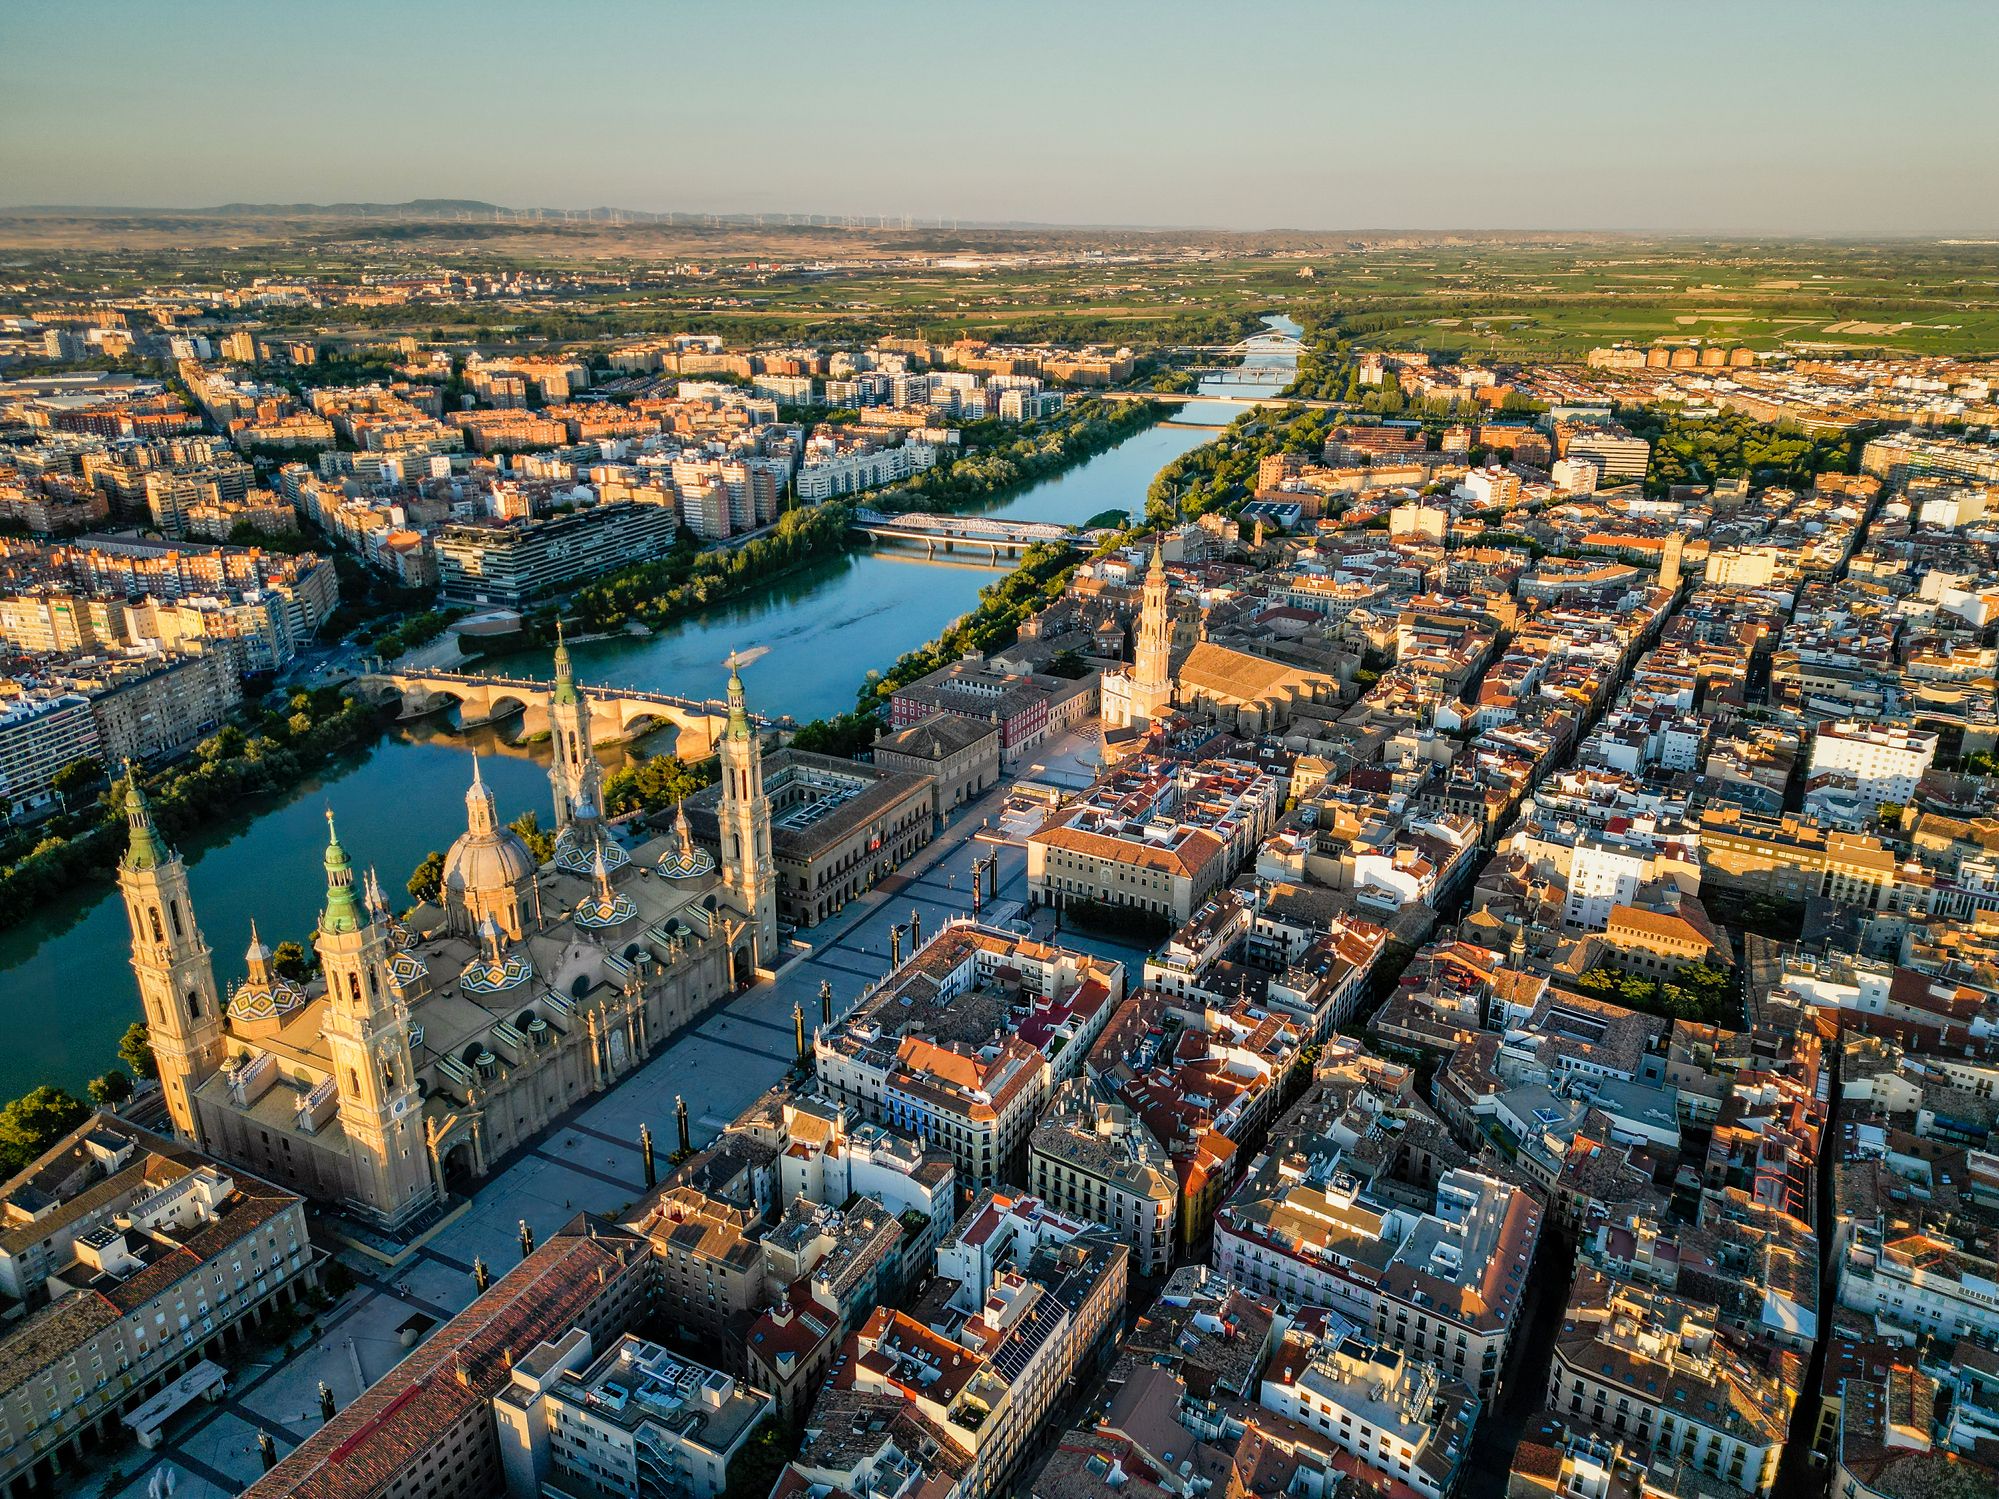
(1806, 116)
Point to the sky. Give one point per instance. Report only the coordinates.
(1745, 116)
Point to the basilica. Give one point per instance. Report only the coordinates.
(432, 1044)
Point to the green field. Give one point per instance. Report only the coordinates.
(1488, 297)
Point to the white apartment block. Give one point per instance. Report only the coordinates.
(638, 1420)
(38, 737)
(1920, 1283)
(1394, 1413)
(1885, 761)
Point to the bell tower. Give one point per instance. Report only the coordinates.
(176, 974)
(1152, 663)
(367, 1034)
(744, 818)
(574, 771)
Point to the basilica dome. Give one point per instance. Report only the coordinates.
(486, 861)
(488, 872)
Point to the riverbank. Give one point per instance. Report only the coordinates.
(657, 593)
(228, 767)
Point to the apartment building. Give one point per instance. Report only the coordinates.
(133, 1259)
(511, 564)
(1152, 837)
(147, 706)
(1924, 1282)
(1095, 1158)
(1618, 455)
(1878, 762)
(635, 1419)
(1641, 1363)
(1443, 1284)
(1399, 1415)
(711, 1275)
(961, 1045)
(39, 735)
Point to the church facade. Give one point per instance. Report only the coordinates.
(429, 1046)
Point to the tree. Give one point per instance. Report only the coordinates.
(79, 775)
(32, 1123)
(429, 877)
(135, 1050)
(114, 1087)
(541, 846)
(290, 960)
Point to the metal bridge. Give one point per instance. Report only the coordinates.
(958, 534)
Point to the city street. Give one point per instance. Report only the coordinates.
(591, 1161)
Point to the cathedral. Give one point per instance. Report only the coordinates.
(431, 1045)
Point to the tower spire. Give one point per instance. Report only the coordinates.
(565, 676)
(147, 849)
(343, 911)
(739, 713)
(482, 814)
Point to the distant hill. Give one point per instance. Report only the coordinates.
(413, 208)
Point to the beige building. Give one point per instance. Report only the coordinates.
(962, 755)
(431, 1047)
(1645, 1364)
(1096, 1159)
(837, 827)
(711, 1266)
(136, 1260)
(153, 705)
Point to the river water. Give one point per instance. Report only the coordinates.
(66, 989)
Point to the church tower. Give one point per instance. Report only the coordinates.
(367, 1034)
(1151, 691)
(175, 970)
(574, 772)
(745, 827)
(1669, 564)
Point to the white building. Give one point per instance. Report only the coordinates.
(1885, 761)
(1396, 1414)
(638, 1420)
(38, 737)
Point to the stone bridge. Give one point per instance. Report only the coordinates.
(616, 713)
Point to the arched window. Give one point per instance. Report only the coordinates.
(193, 1004)
(173, 915)
(154, 913)
(354, 987)
(353, 1081)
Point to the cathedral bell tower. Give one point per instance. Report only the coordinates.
(367, 1034)
(744, 821)
(1152, 660)
(574, 771)
(176, 973)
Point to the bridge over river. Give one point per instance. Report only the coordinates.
(987, 536)
(617, 713)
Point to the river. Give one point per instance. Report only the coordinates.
(66, 986)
